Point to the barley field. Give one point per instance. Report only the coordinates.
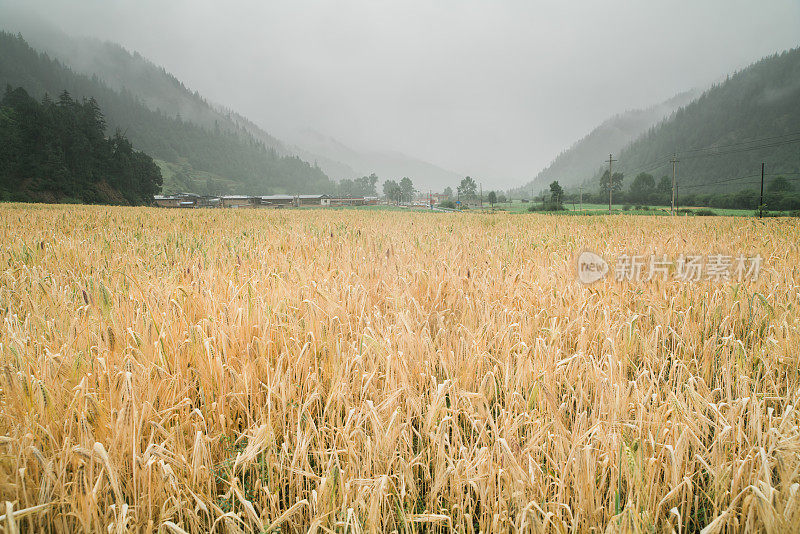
(354, 371)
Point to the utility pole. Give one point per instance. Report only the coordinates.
(581, 190)
(610, 182)
(761, 199)
(481, 196)
(674, 177)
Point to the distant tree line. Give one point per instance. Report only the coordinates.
(779, 194)
(56, 151)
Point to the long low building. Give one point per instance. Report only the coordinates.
(353, 201)
(240, 201)
(313, 200)
(186, 200)
(191, 200)
(277, 201)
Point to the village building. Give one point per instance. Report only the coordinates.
(313, 200)
(240, 201)
(184, 200)
(166, 201)
(191, 200)
(352, 201)
(277, 201)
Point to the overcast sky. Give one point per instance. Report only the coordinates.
(492, 88)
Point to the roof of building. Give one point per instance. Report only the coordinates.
(188, 197)
(277, 197)
(184, 196)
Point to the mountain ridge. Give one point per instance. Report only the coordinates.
(128, 70)
(579, 163)
(123, 69)
(753, 116)
(230, 160)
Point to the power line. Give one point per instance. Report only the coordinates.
(761, 198)
(723, 181)
(651, 166)
(747, 149)
(695, 153)
(756, 140)
(728, 180)
(674, 178)
(610, 182)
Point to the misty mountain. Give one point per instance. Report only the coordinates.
(387, 165)
(222, 158)
(160, 91)
(722, 137)
(156, 88)
(581, 161)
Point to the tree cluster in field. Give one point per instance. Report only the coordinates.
(399, 192)
(467, 194)
(403, 191)
(366, 186)
(231, 156)
(554, 201)
(57, 151)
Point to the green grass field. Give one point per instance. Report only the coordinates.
(600, 209)
(588, 209)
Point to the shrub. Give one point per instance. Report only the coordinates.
(548, 206)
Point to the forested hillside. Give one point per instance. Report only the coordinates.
(154, 86)
(722, 138)
(57, 151)
(200, 158)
